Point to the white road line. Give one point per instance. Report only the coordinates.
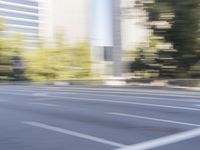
(43, 99)
(18, 94)
(45, 104)
(127, 102)
(197, 105)
(122, 91)
(153, 119)
(164, 140)
(133, 97)
(135, 91)
(40, 94)
(3, 100)
(114, 101)
(28, 95)
(73, 133)
(121, 96)
(83, 91)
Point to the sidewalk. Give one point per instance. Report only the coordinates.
(142, 83)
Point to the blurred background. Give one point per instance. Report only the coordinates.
(61, 40)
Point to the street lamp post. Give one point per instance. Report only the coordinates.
(106, 34)
(117, 49)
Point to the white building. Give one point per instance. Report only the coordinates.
(95, 22)
(74, 19)
(66, 16)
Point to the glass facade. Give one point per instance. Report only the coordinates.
(18, 15)
(21, 16)
(23, 30)
(18, 8)
(22, 22)
(23, 2)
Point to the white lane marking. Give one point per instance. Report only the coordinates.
(73, 133)
(113, 101)
(44, 99)
(133, 96)
(36, 94)
(195, 98)
(22, 94)
(40, 94)
(135, 91)
(127, 102)
(45, 104)
(154, 119)
(163, 141)
(18, 94)
(197, 105)
(3, 100)
(110, 95)
(122, 91)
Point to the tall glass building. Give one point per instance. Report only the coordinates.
(21, 16)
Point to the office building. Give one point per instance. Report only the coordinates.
(21, 16)
(100, 22)
(71, 18)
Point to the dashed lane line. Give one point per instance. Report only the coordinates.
(153, 119)
(45, 104)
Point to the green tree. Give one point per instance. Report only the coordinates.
(177, 24)
(60, 63)
(6, 53)
(5, 60)
(11, 55)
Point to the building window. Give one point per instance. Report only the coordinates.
(17, 15)
(23, 23)
(23, 2)
(108, 54)
(18, 8)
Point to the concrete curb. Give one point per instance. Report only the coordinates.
(109, 82)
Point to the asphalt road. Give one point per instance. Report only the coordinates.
(98, 118)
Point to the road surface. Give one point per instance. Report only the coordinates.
(98, 118)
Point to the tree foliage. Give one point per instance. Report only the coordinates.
(60, 63)
(9, 49)
(175, 23)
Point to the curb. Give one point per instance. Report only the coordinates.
(114, 83)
